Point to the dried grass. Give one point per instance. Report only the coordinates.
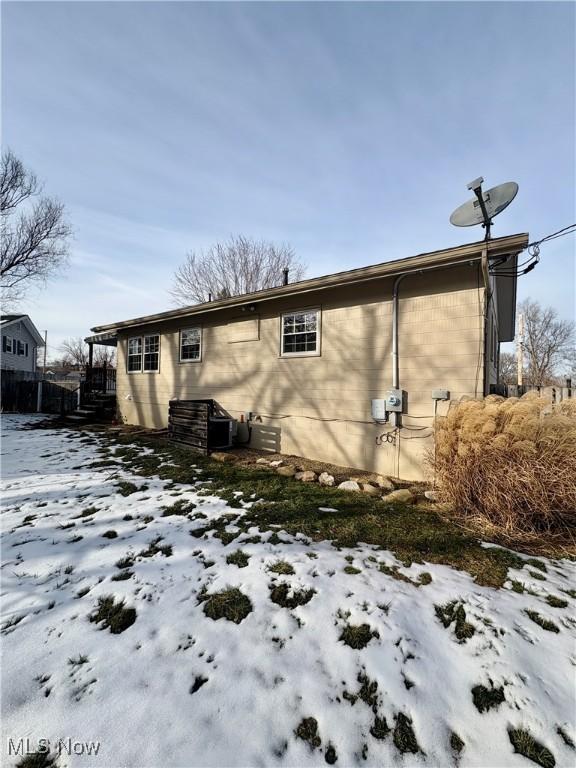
(509, 465)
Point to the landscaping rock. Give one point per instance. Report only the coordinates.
(402, 495)
(263, 461)
(431, 495)
(277, 463)
(371, 490)
(385, 483)
(287, 471)
(306, 477)
(223, 457)
(326, 479)
(349, 485)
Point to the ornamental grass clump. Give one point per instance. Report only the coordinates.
(509, 463)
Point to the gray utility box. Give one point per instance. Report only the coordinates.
(395, 400)
(440, 394)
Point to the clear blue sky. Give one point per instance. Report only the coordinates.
(349, 130)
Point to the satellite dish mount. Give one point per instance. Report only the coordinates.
(476, 187)
(486, 206)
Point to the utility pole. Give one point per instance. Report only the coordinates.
(45, 350)
(520, 349)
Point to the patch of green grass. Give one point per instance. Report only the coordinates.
(78, 661)
(349, 569)
(82, 592)
(155, 548)
(569, 592)
(556, 602)
(88, 512)
(536, 564)
(518, 587)
(122, 576)
(113, 615)
(147, 519)
(454, 612)
(199, 681)
(74, 539)
(565, 737)
(307, 730)
(358, 636)
(127, 517)
(13, 622)
(38, 759)
(487, 698)
(180, 507)
(425, 578)
(125, 488)
(230, 604)
(125, 562)
(414, 534)
(527, 746)
(379, 728)
(282, 595)
(110, 534)
(404, 736)
(282, 567)
(456, 743)
(536, 575)
(330, 755)
(238, 558)
(546, 624)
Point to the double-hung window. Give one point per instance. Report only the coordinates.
(151, 353)
(134, 357)
(190, 345)
(143, 354)
(7, 344)
(21, 348)
(300, 333)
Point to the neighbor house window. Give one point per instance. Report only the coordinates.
(152, 353)
(134, 355)
(21, 348)
(300, 333)
(190, 344)
(7, 344)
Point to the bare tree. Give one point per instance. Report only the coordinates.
(548, 343)
(508, 368)
(240, 265)
(34, 231)
(75, 353)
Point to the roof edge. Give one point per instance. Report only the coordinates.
(30, 325)
(497, 247)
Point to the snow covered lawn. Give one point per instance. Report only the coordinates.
(268, 649)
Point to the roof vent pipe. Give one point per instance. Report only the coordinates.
(286, 270)
(209, 297)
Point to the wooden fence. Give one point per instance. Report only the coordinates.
(188, 423)
(552, 394)
(27, 392)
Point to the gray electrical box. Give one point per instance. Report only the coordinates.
(379, 410)
(440, 394)
(395, 399)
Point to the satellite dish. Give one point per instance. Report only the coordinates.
(485, 206)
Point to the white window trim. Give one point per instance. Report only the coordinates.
(317, 351)
(147, 336)
(196, 359)
(142, 369)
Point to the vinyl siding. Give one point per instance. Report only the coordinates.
(15, 362)
(319, 407)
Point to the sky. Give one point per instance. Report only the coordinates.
(348, 130)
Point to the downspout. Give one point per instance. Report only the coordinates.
(487, 296)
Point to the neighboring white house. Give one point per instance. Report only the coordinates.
(20, 342)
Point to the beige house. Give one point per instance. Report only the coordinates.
(307, 359)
